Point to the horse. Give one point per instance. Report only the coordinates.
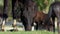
(30, 8)
(40, 24)
(54, 11)
(27, 9)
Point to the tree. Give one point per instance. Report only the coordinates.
(43, 4)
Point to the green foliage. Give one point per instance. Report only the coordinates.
(41, 4)
(1, 2)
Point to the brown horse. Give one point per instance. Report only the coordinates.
(39, 20)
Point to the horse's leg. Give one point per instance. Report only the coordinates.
(40, 25)
(5, 11)
(33, 26)
(3, 24)
(58, 25)
(50, 27)
(14, 8)
(37, 26)
(53, 21)
(14, 25)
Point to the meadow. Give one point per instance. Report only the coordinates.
(29, 32)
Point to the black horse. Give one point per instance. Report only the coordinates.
(27, 10)
(54, 11)
(30, 8)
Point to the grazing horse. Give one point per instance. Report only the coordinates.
(27, 9)
(39, 20)
(30, 8)
(54, 11)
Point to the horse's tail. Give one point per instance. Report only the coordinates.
(49, 14)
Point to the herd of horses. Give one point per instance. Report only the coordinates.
(28, 12)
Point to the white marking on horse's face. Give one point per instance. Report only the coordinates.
(34, 23)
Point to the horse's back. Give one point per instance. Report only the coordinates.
(56, 8)
(40, 16)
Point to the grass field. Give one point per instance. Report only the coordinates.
(29, 32)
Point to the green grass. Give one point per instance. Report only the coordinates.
(28, 32)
